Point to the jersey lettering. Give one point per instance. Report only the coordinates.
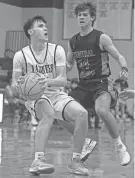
(44, 68)
(92, 62)
(83, 54)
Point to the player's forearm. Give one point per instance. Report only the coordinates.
(14, 88)
(122, 61)
(57, 82)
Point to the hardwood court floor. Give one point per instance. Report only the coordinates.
(17, 152)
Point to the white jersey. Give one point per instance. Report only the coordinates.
(45, 63)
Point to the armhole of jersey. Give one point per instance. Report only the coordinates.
(98, 41)
(46, 52)
(24, 60)
(98, 37)
(55, 55)
(54, 73)
(70, 43)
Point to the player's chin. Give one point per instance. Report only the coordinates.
(46, 38)
(82, 24)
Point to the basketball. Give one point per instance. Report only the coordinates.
(30, 88)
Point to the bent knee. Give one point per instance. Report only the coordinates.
(83, 115)
(101, 111)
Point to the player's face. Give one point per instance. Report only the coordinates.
(84, 18)
(39, 31)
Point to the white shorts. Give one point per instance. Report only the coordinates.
(57, 101)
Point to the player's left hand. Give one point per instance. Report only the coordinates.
(44, 82)
(124, 74)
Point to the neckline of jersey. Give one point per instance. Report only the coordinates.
(35, 56)
(87, 34)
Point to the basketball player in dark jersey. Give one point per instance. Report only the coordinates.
(90, 49)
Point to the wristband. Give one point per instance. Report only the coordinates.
(124, 68)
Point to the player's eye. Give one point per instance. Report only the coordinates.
(41, 25)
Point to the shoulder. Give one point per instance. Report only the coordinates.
(105, 41)
(26, 49)
(51, 45)
(17, 61)
(58, 48)
(104, 38)
(60, 52)
(60, 56)
(18, 55)
(98, 31)
(97, 34)
(54, 45)
(74, 37)
(72, 40)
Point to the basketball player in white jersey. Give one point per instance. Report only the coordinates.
(50, 60)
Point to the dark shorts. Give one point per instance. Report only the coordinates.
(86, 94)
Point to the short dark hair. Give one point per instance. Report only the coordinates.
(84, 6)
(29, 23)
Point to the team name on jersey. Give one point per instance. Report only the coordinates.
(83, 54)
(44, 68)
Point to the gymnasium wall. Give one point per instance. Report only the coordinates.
(10, 19)
(13, 17)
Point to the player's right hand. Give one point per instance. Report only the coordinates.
(44, 82)
(124, 74)
(21, 80)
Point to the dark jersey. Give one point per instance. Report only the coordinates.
(92, 62)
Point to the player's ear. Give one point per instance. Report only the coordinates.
(92, 18)
(30, 32)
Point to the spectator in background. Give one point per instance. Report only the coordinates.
(120, 108)
(10, 101)
(18, 111)
(93, 120)
(128, 95)
(74, 83)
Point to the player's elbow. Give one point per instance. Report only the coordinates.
(69, 67)
(121, 57)
(64, 81)
(122, 61)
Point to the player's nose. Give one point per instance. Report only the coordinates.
(45, 28)
(81, 18)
